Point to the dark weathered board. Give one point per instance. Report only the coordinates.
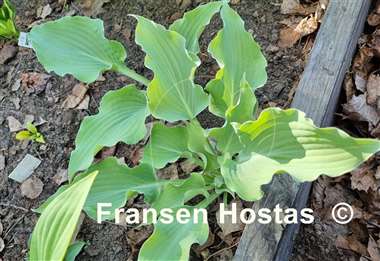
(317, 95)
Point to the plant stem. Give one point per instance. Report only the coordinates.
(121, 68)
(207, 201)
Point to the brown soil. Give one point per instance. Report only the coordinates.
(107, 241)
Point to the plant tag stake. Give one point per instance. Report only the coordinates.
(23, 40)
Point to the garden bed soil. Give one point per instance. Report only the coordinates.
(108, 241)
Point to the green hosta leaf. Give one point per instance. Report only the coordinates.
(165, 145)
(116, 182)
(168, 144)
(218, 105)
(76, 45)
(193, 23)
(177, 192)
(238, 56)
(172, 94)
(74, 250)
(121, 117)
(7, 26)
(245, 110)
(284, 141)
(226, 139)
(173, 241)
(56, 226)
(198, 143)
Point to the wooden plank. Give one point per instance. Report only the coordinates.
(317, 95)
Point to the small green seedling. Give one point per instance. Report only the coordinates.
(8, 29)
(237, 158)
(31, 133)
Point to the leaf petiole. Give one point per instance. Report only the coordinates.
(121, 68)
(204, 203)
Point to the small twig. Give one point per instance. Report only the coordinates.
(13, 225)
(221, 250)
(14, 206)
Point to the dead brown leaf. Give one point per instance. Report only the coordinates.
(170, 172)
(7, 52)
(136, 155)
(288, 37)
(60, 177)
(348, 86)
(373, 249)
(362, 61)
(363, 178)
(44, 11)
(92, 7)
(13, 124)
(360, 82)
(291, 34)
(357, 109)
(307, 25)
(34, 82)
(107, 152)
(374, 18)
(188, 166)
(31, 188)
(351, 243)
(373, 89)
(294, 7)
(76, 97)
(228, 226)
(83, 105)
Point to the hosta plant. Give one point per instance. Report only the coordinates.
(8, 29)
(237, 158)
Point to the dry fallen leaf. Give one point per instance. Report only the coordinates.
(228, 226)
(60, 177)
(362, 60)
(288, 37)
(307, 25)
(291, 34)
(76, 97)
(44, 12)
(34, 82)
(373, 249)
(170, 172)
(14, 124)
(31, 188)
(188, 166)
(93, 7)
(374, 18)
(363, 178)
(136, 155)
(351, 243)
(349, 87)
(360, 82)
(294, 7)
(373, 89)
(357, 109)
(7, 52)
(83, 105)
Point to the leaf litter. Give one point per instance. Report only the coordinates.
(360, 116)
